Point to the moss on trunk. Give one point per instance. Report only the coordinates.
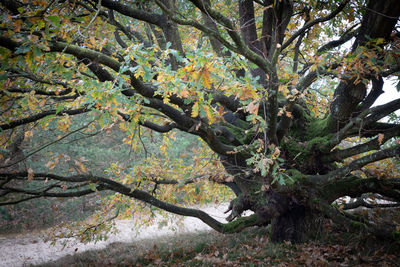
(396, 236)
(317, 127)
(240, 224)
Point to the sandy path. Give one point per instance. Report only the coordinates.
(23, 250)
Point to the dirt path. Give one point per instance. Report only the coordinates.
(27, 249)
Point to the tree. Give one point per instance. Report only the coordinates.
(281, 91)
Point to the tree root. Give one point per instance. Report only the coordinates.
(238, 206)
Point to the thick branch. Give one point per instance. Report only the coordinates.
(344, 171)
(375, 128)
(382, 111)
(44, 193)
(41, 115)
(374, 144)
(361, 162)
(335, 43)
(248, 25)
(38, 91)
(211, 32)
(81, 52)
(376, 91)
(139, 14)
(354, 187)
(363, 202)
(153, 126)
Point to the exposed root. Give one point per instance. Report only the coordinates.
(238, 206)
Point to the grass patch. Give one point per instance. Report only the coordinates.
(195, 249)
(248, 248)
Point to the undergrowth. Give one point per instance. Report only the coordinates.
(248, 248)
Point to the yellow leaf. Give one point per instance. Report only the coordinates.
(42, 103)
(209, 113)
(51, 164)
(136, 117)
(277, 152)
(30, 174)
(205, 75)
(92, 41)
(166, 99)
(17, 25)
(195, 110)
(248, 93)
(82, 167)
(295, 79)
(184, 93)
(252, 108)
(28, 134)
(380, 138)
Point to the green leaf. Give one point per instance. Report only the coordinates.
(22, 49)
(262, 168)
(40, 25)
(55, 20)
(398, 87)
(197, 189)
(68, 75)
(92, 187)
(101, 123)
(59, 108)
(148, 75)
(37, 52)
(176, 55)
(180, 184)
(46, 119)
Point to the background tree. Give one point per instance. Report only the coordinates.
(273, 88)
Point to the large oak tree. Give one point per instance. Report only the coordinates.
(282, 92)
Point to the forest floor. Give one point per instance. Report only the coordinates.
(25, 249)
(192, 243)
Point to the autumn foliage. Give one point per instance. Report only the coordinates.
(279, 95)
